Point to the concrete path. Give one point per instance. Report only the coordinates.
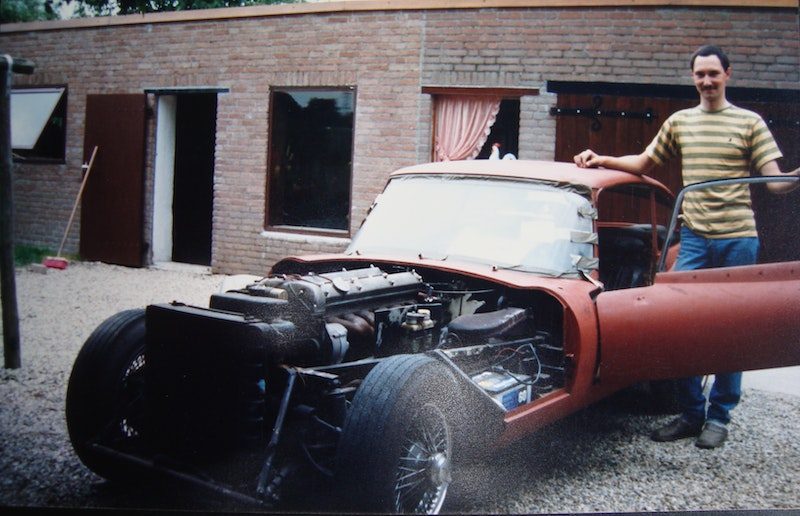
(784, 380)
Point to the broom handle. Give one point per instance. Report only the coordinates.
(77, 200)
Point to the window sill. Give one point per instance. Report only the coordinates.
(306, 237)
(39, 161)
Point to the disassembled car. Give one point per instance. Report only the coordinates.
(479, 302)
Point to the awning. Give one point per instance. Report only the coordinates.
(30, 111)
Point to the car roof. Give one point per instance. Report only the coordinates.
(551, 171)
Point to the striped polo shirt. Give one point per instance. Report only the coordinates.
(716, 145)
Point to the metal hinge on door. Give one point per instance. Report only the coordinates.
(595, 113)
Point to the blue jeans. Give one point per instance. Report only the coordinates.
(698, 252)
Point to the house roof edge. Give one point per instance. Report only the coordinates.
(344, 6)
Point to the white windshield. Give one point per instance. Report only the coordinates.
(522, 225)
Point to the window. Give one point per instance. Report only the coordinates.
(470, 122)
(633, 204)
(38, 123)
(504, 131)
(522, 225)
(631, 228)
(310, 158)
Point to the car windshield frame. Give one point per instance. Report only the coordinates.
(522, 224)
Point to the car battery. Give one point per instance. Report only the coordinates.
(506, 390)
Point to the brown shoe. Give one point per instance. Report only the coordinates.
(679, 428)
(712, 436)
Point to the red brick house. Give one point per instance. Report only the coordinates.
(233, 137)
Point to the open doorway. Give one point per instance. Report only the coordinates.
(184, 178)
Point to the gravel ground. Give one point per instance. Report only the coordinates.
(599, 460)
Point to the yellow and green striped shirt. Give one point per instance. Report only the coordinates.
(716, 145)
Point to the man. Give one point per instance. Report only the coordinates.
(714, 140)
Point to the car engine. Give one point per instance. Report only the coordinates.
(216, 378)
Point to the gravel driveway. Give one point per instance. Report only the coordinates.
(598, 460)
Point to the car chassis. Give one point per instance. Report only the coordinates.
(368, 374)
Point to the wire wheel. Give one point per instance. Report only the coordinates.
(132, 399)
(423, 473)
(395, 453)
(105, 393)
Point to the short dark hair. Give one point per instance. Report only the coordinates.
(711, 50)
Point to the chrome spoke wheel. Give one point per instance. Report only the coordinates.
(423, 472)
(395, 452)
(131, 400)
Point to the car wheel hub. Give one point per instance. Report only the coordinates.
(439, 469)
(424, 475)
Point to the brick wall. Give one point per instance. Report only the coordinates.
(387, 56)
(528, 47)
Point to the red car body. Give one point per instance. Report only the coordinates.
(679, 324)
(479, 302)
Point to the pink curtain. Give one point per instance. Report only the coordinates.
(462, 125)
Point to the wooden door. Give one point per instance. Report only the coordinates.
(112, 208)
(778, 216)
(626, 126)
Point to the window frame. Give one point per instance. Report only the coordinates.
(307, 230)
(505, 93)
(63, 100)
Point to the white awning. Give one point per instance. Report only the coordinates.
(30, 111)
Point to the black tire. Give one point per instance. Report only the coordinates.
(395, 453)
(105, 394)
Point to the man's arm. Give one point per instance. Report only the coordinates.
(771, 169)
(635, 163)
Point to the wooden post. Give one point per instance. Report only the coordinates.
(8, 288)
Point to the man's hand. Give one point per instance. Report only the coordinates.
(634, 164)
(587, 159)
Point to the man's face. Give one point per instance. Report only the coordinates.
(710, 78)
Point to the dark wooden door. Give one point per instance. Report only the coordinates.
(628, 133)
(112, 208)
(778, 216)
(612, 133)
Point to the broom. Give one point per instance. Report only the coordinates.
(57, 262)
